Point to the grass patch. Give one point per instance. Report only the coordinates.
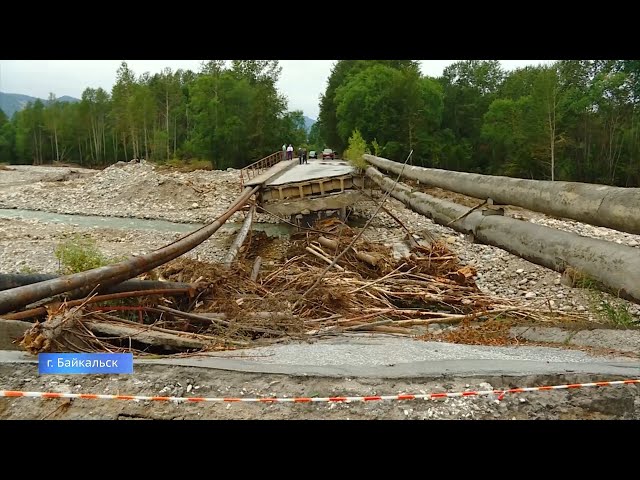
(579, 279)
(199, 164)
(78, 254)
(27, 270)
(617, 314)
(583, 281)
(188, 165)
(610, 312)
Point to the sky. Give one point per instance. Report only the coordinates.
(302, 81)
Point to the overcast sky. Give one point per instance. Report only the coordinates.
(302, 81)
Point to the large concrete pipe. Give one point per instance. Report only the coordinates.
(615, 266)
(613, 207)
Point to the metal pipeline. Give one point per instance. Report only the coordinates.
(602, 205)
(615, 266)
(18, 297)
(12, 280)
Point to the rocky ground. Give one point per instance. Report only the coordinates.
(142, 190)
(27, 175)
(29, 245)
(129, 190)
(605, 403)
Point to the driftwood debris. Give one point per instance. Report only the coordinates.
(237, 243)
(365, 257)
(369, 290)
(170, 341)
(255, 271)
(35, 312)
(321, 255)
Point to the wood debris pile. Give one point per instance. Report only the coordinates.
(251, 303)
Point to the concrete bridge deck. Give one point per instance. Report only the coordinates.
(289, 188)
(314, 170)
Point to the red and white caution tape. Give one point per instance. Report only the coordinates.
(372, 398)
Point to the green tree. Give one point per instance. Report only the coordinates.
(470, 86)
(52, 122)
(30, 133)
(357, 148)
(7, 139)
(546, 93)
(509, 126)
(122, 96)
(94, 110)
(397, 106)
(314, 138)
(340, 75)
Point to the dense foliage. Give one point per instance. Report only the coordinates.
(573, 120)
(229, 113)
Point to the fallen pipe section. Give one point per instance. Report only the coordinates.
(237, 243)
(601, 205)
(12, 280)
(18, 297)
(615, 266)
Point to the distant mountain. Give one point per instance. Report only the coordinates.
(68, 99)
(13, 102)
(308, 123)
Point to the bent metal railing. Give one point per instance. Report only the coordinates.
(250, 172)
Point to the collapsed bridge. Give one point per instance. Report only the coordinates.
(285, 188)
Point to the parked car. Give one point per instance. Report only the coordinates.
(313, 154)
(328, 153)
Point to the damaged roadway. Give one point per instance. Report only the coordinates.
(337, 367)
(381, 356)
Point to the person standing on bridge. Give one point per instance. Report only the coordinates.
(284, 151)
(289, 152)
(300, 157)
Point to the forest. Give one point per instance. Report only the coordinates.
(572, 120)
(575, 120)
(229, 113)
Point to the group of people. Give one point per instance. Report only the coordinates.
(302, 156)
(302, 153)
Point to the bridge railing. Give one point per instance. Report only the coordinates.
(250, 172)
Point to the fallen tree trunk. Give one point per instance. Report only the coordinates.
(365, 257)
(13, 280)
(256, 269)
(149, 337)
(617, 267)
(237, 243)
(34, 312)
(602, 205)
(214, 318)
